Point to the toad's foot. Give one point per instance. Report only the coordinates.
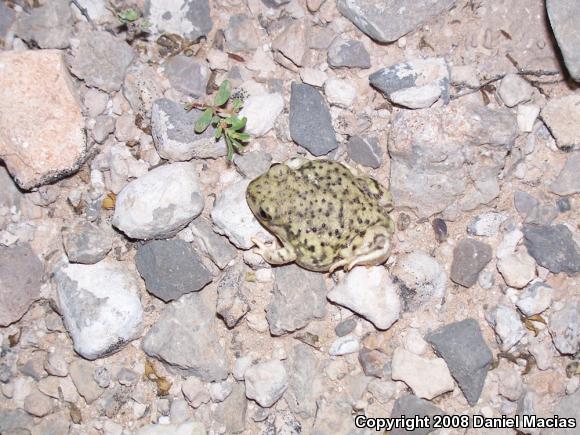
(373, 249)
(273, 255)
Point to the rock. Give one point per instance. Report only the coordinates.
(340, 92)
(486, 224)
(524, 203)
(232, 411)
(291, 43)
(219, 391)
(305, 381)
(507, 325)
(187, 428)
(195, 392)
(95, 102)
(101, 60)
(513, 90)
(21, 274)
(469, 258)
(510, 385)
(415, 84)
(565, 328)
(126, 130)
(344, 346)
(232, 304)
(104, 126)
(188, 75)
(564, 16)
(15, 421)
(568, 407)
(37, 404)
(382, 390)
(96, 9)
(100, 306)
(526, 117)
(365, 150)
(253, 164)
(241, 34)
(428, 378)
(310, 121)
(378, 302)
(333, 417)
(517, 269)
(56, 365)
(171, 268)
(428, 164)
(563, 205)
(466, 353)
(553, 247)
(188, 18)
(348, 53)
(412, 405)
(39, 146)
(420, 279)
(536, 298)
(373, 362)
(215, 246)
(188, 320)
(34, 366)
(143, 85)
(48, 26)
(7, 17)
(233, 218)
(81, 373)
(55, 423)
(562, 117)
(261, 112)
(298, 298)
(314, 77)
(388, 21)
(159, 203)
(86, 243)
(568, 181)
(172, 131)
(345, 327)
(266, 382)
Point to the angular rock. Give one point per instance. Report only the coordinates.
(469, 258)
(310, 121)
(507, 325)
(298, 298)
(568, 181)
(565, 328)
(232, 411)
(21, 274)
(378, 302)
(159, 203)
(15, 421)
(513, 90)
(339, 92)
(412, 405)
(86, 243)
(37, 404)
(171, 268)
(536, 298)
(562, 117)
(186, 428)
(232, 304)
(48, 26)
(365, 150)
(486, 224)
(517, 269)
(466, 353)
(215, 246)
(568, 407)
(188, 320)
(101, 60)
(415, 84)
(373, 362)
(266, 382)
(387, 21)
(527, 115)
(100, 306)
(564, 17)
(241, 34)
(188, 18)
(188, 75)
(305, 381)
(81, 373)
(142, 86)
(291, 44)
(37, 145)
(261, 112)
(524, 202)
(553, 247)
(253, 164)
(348, 53)
(7, 17)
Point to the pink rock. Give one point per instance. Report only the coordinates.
(42, 136)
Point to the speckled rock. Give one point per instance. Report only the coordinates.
(189, 18)
(48, 26)
(469, 258)
(86, 243)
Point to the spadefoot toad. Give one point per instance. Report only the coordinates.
(326, 214)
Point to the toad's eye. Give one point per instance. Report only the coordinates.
(264, 214)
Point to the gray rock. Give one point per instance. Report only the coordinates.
(524, 202)
(101, 60)
(142, 86)
(171, 268)
(348, 53)
(188, 75)
(232, 304)
(412, 405)
(49, 26)
(345, 327)
(568, 407)
(20, 280)
(553, 247)
(54, 424)
(188, 320)
(514, 89)
(86, 243)
(469, 258)
(253, 164)
(568, 181)
(507, 325)
(335, 417)
(37, 404)
(486, 224)
(188, 18)
(232, 411)
(387, 21)
(298, 298)
(160, 203)
(81, 373)
(102, 376)
(536, 298)
(7, 16)
(104, 126)
(305, 381)
(365, 150)
(564, 17)
(563, 205)
(466, 353)
(15, 421)
(565, 328)
(415, 84)
(542, 214)
(209, 242)
(562, 117)
(266, 382)
(240, 34)
(186, 428)
(172, 131)
(10, 196)
(373, 362)
(310, 121)
(34, 366)
(100, 306)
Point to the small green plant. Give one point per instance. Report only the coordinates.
(224, 117)
(128, 16)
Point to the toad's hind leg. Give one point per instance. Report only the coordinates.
(272, 255)
(371, 249)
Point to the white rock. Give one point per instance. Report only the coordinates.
(159, 203)
(417, 98)
(414, 342)
(240, 367)
(219, 391)
(195, 392)
(514, 90)
(486, 224)
(509, 242)
(261, 112)
(510, 385)
(379, 302)
(340, 92)
(507, 325)
(464, 75)
(100, 306)
(565, 328)
(535, 299)
(217, 59)
(266, 382)
(344, 346)
(313, 77)
(543, 351)
(428, 378)
(517, 269)
(526, 116)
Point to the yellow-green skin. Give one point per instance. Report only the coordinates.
(325, 214)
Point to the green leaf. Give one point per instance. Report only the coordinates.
(230, 120)
(223, 94)
(215, 119)
(203, 121)
(128, 15)
(237, 104)
(218, 132)
(230, 148)
(244, 137)
(239, 124)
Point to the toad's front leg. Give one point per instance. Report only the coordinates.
(273, 255)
